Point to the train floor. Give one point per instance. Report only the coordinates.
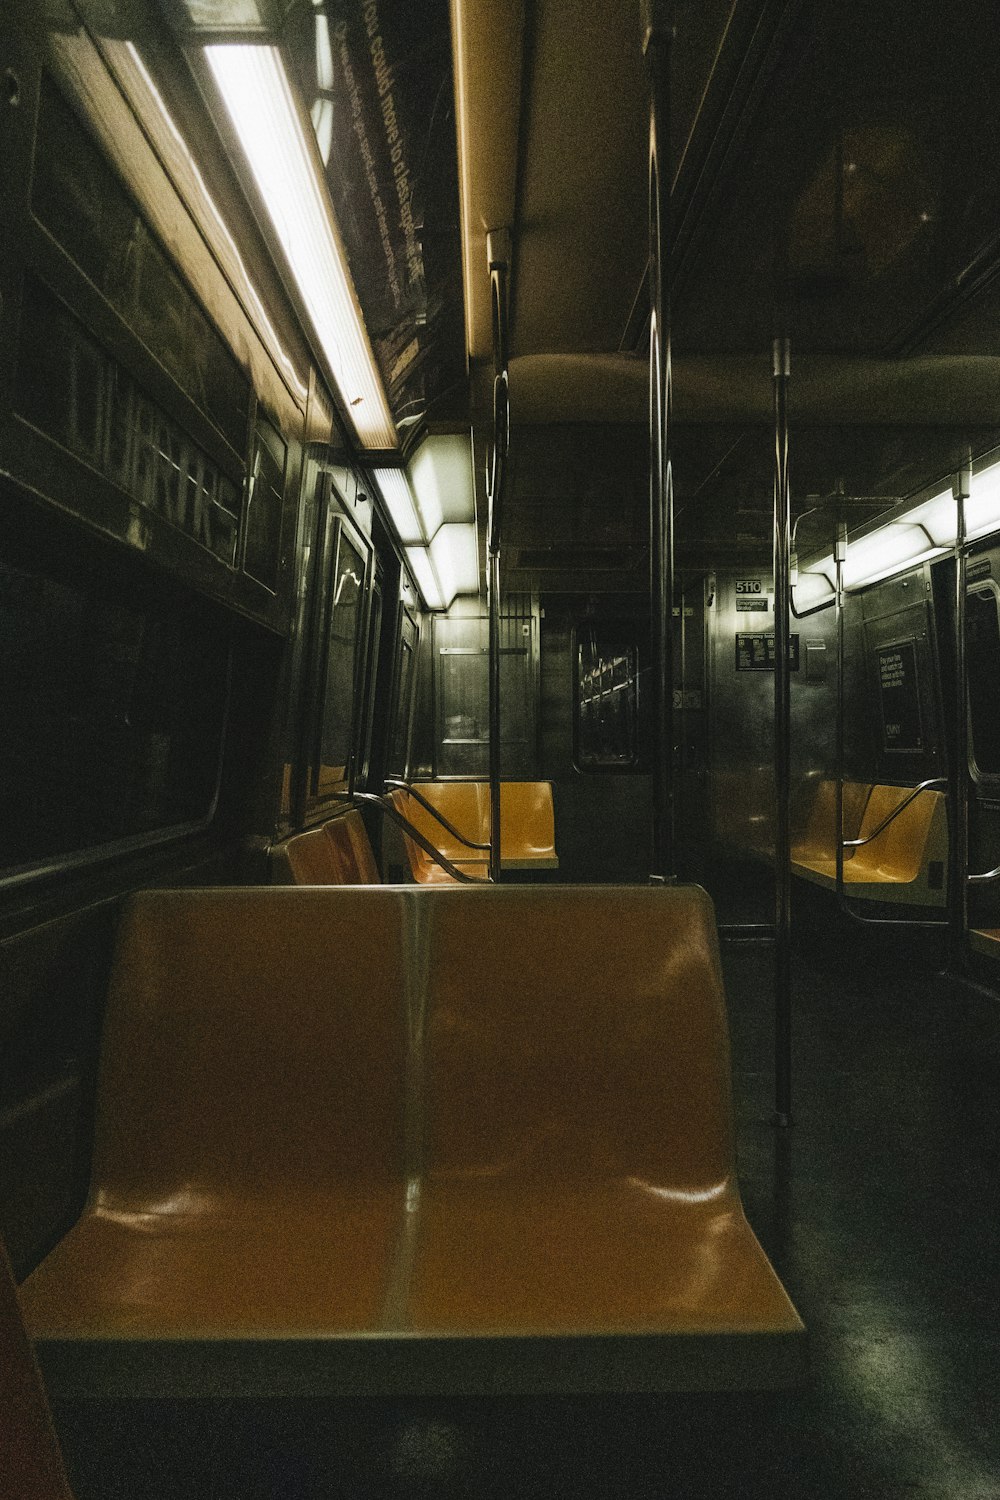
(879, 1208)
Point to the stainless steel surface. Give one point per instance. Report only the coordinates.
(958, 889)
(840, 555)
(657, 42)
(497, 249)
(782, 745)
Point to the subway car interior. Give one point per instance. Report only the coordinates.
(499, 748)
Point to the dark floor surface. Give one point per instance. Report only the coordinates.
(879, 1209)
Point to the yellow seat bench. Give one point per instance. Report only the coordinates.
(527, 827)
(333, 1155)
(815, 849)
(466, 808)
(905, 862)
(337, 853)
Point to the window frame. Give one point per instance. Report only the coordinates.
(627, 634)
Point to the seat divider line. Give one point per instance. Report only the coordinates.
(416, 953)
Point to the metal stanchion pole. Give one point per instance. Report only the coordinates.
(782, 745)
(658, 34)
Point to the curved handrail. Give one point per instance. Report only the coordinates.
(933, 781)
(404, 786)
(385, 807)
(985, 878)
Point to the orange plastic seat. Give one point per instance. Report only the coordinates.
(580, 1174)
(466, 807)
(527, 826)
(352, 850)
(249, 1181)
(338, 853)
(815, 852)
(906, 862)
(335, 1155)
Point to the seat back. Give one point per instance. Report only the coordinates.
(466, 806)
(819, 836)
(527, 822)
(305, 859)
(578, 1032)
(353, 859)
(31, 1466)
(899, 852)
(253, 1047)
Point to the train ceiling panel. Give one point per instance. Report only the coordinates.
(828, 183)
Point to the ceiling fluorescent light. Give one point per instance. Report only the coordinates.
(399, 503)
(814, 588)
(449, 566)
(428, 583)
(443, 479)
(256, 92)
(982, 510)
(455, 553)
(899, 545)
(415, 510)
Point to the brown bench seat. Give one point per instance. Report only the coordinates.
(336, 853)
(527, 827)
(333, 1155)
(906, 862)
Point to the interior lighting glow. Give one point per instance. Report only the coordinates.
(898, 545)
(982, 510)
(136, 82)
(416, 512)
(419, 559)
(255, 89)
(449, 566)
(455, 553)
(814, 588)
(400, 505)
(443, 480)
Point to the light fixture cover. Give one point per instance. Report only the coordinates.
(255, 89)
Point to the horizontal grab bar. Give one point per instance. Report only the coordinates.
(934, 781)
(403, 786)
(385, 807)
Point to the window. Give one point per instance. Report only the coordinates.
(606, 698)
(265, 489)
(399, 757)
(339, 695)
(982, 638)
(462, 690)
(72, 390)
(114, 698)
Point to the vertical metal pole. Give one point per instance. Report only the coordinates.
(958, 886)
(494, 607)
(840, 557)
(498, 260)
(782, 746)
(658, 35)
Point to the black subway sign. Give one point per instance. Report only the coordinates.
(755, 653)
(900, 697)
